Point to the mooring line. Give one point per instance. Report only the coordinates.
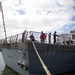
(43, 65)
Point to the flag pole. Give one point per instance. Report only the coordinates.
(3, 23)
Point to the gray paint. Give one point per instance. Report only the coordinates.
(11, 57)
(58, 58)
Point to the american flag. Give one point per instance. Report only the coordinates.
(0, 6)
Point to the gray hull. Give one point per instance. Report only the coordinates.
(57, 58)
(11, 57)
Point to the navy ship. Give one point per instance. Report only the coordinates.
(27, 57)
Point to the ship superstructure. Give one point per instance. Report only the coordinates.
(68, 38)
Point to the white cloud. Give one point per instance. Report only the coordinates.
(46, 15)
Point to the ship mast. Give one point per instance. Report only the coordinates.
(3, 21)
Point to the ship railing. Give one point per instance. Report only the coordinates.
(23, 37)
(65, 40)
(19, 38)
(37, 37)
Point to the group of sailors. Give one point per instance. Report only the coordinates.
(43, 37)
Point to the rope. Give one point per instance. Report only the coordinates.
(43, 65)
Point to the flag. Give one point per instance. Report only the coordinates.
(0, 6)
(3, 20)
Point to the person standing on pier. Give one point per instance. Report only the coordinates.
(42, 37)
(23, 36)
(54, 36)
(32, 37)
(49, 38)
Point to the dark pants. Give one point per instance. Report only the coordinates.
(54, 40)
(42, 41)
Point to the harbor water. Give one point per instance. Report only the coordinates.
(5, 69)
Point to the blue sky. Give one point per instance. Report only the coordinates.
(21, 12)
(73, 18)
(38, 15)
(68, 28)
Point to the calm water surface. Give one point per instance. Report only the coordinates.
(5, 69)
